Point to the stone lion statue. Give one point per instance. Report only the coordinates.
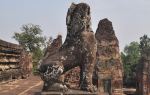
(79, 49)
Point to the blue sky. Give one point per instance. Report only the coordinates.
(130, 18)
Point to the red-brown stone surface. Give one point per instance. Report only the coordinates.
(72, 78)
(108, 65)
(15, 62)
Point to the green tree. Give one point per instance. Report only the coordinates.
(32, 40)
(145, 44)
(130, 58)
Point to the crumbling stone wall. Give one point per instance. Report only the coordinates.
(25, 64)
(12, 58)
(79, 49)
(108, 63)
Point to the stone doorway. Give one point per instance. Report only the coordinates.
(107, 86)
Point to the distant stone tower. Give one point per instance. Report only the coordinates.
(143, 71)
(108, 65)
(54, 46)
(143, 76)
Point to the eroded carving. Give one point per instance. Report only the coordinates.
(79, 49)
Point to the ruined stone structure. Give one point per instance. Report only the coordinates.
(53, 47)
(72, 78)
(143, 74)
(25, 64)
(79, 49)
(108, 63)
(14, 61)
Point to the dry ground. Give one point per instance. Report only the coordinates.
(33, 86)
(29, 86)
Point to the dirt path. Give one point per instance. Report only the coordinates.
(30, 86)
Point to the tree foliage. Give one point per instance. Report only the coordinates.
(31, 39)
(130, 58)
(144, 44)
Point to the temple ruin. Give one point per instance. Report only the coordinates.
(76, 56)
(85, 64)
(108, 67)
(79, 49)
(14, 61)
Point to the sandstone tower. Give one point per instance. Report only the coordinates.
(108, 65)
(143, 68)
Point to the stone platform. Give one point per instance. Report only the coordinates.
(70, 92)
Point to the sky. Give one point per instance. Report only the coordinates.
(130, 18)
